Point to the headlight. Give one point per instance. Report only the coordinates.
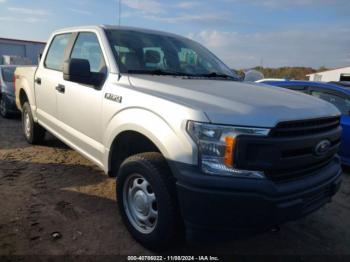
(216, 145)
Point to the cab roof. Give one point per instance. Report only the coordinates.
(115, 27)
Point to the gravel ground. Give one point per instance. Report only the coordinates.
(51, 188)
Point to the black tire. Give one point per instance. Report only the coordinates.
(168, 228)
(33, 132)
(3, 109)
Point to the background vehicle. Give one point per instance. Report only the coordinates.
(270, 79)
(342, 83)
(334, 93)
(191, 146)
(7, 91)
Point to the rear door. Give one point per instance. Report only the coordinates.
(342, 102)
(48, 76)
(79, 106)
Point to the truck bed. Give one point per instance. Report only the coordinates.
(24, 78)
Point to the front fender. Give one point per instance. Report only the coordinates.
(172, 141)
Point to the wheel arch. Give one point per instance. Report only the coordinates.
(126, 144)
(23, 97)
(155, 133)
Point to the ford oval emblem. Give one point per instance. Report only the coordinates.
(322, 147)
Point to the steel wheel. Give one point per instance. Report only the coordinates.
(147, 200)
(140, 203)
(33, 132)
(27, 124)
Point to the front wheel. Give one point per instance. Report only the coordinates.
(33, 132)
(147, 200)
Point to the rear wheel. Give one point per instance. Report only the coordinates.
(3, 109)
(147, 200)
(33, 132)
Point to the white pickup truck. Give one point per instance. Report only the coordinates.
(194, 149)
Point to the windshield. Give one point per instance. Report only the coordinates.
(151, 53)
(7, 73)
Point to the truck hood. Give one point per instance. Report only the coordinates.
(235, 103)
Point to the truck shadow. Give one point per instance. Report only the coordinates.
(11, 136)
(52, 141)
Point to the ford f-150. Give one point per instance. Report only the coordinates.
(194, 149)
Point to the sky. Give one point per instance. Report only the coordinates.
(243, 33)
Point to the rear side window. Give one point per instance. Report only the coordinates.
(87, 47)
(55, 55)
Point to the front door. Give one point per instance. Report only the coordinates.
(80, 106)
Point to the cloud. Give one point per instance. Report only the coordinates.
(295, 3)
(279, 3)
(2, 1)
(187, 4)
(156, 11)
(146, 6)
(26, 15)
(28, 11)
(330, 47)
(22, 19)
(79, 11)
(191, 18)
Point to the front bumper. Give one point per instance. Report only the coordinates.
(222, 204)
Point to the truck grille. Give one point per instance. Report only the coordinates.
(294, 173)
(289, 151)
(305, 127)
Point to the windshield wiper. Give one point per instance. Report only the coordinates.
(216, 75)
(175, 73)
(154, 72)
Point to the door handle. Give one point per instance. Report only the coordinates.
(61, 88)
(38, 80)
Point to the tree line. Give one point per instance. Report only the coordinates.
(292, 73)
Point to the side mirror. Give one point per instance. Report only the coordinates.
(78, 71)
(253, 75)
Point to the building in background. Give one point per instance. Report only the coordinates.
(13, 51)
(339, 74)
